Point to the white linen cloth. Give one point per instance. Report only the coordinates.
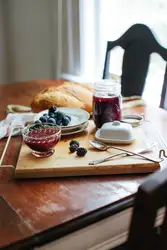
(16, 121)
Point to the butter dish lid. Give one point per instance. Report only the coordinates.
(115, 132)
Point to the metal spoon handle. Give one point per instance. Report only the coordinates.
(133, 153)
(105, 159)
(141, 150)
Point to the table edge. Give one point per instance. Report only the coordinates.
(73, 225)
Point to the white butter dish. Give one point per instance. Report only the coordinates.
(115, 132)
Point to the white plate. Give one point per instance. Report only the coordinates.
(97, 136)
(78, 116)
(75, 130)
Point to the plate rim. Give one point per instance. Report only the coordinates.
(77, 131)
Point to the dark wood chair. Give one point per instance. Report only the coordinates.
(163, 102)
(138, 43)
(151, 196)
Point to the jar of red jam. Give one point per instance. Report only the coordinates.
(107, 102)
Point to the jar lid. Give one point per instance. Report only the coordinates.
(134, 120)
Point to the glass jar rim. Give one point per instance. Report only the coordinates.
(25, 130)
(107, 81)
(106, 85)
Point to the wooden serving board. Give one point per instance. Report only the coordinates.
(64, 163)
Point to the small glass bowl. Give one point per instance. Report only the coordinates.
(41, 138)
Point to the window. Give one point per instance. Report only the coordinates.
(107, 20)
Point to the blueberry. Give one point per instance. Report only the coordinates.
(51, 115)
(52, 109)
(37, 122)
(45, 114)
(69, 117)
(59, 114)
(56, 113)
(65, 121)
(35, 126)
(43, 119)
(51, 120)
(58, 122)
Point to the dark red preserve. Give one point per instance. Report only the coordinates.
(106, 102)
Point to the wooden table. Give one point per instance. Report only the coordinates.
(30, 207)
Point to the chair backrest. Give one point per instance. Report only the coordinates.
(163, 102)
(138, 43)
(151, 196)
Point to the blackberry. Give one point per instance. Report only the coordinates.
(81, 151)
(74, 142)
(73, 148)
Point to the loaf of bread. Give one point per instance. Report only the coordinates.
(69, 94)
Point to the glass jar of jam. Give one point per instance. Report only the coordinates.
(107, 102)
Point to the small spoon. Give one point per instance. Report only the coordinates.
(139, 151)
(103, 147)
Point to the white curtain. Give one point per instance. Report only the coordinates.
(39, 39)
(66, 32)
(78, 40)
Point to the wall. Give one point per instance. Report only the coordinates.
(3, 71)
(39, 39)
(29, 39)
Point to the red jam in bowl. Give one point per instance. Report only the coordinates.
(42, 139)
